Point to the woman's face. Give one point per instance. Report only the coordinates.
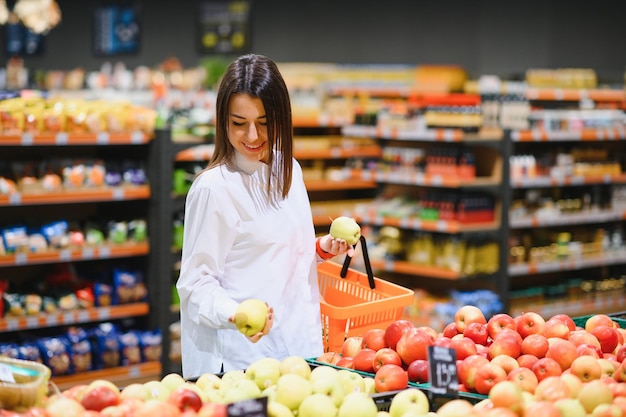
(247, 127)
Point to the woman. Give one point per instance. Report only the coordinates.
(249, 232)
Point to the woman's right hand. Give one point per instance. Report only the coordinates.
(269, 322)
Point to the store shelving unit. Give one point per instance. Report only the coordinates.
(78, 205)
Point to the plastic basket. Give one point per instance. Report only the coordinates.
(29, 386)
(350, 306)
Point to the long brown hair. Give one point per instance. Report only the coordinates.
(259, 77)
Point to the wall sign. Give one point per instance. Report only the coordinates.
(117, 29)
(223, 26)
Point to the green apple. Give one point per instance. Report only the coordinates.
(157, 390)
(322, 372)
(409, 400)
(345, 228)
(135, 390)
(172, 381)
(370, 385)
(276, 409)
(317, 405)
(250, 316)
(208, 380)
(329, 385)
(230, 377)
(351, 381)
(292, 389)
(570, 407)
(295, 365)
(242, 389)
(264, 372)
(358, 404)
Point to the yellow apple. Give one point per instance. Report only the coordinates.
(264, 372)
(346, 228)
(250, 316)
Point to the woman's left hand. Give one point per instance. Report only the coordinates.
(335, 246)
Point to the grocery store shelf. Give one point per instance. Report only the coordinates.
(442, 226)
(560, 94)
(120, 376)
(64, 138)
(563, 219)
(66, 318)
(321, 120)
(547, 181)
(51, 256)
(613, 258)
(592, 135)
(419, 178)
(348, 184)
(427, 135)
(408, 268)
(77, 195)
(595, 303)
(203, 153)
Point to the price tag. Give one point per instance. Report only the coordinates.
(256, 407)
(442, 370)
(5, 374)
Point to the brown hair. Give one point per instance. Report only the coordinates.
(258, 77)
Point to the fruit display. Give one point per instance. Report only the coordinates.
(507, 365)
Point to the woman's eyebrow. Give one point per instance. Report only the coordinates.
(242, 117)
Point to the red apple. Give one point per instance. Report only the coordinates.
(552, 388)
(527, 360)
(185, 398)
(620, 355)
(620, 372)
(413, 344)
(345, 362)
(157, 408)
(364, 360)
(487, 376)
(384, 356)
(545, 367)
(100, 394)
(394, 331)
(450, 330)
(578, 337)
(498, 322)
(477, 332)
(607, 336)
(508, 363)
(374, 339)
(571, 324)
(329, 357)
(535, 344)
(585, 349)
(213, 409)
(505, 345)
(529, 323)
(508, 395)
(586, 368)
(596, 320)
(463, 346)
(556, 327)
(541, 408)
(563, 352)
(466, 315)
(391, 377)
(467, 368)
(525, 378)
(442, 341)
(510, 333)
(351, 346)
(418, 371)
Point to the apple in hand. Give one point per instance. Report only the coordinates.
(250, 316)
(346, 228)
(100, 394)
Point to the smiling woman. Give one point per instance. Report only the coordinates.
(248, 233)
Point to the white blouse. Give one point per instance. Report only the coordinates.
(238, 244)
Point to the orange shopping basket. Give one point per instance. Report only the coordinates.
(354, 302)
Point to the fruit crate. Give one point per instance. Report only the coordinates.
(354, 302)
(619, 318)
(27, 386)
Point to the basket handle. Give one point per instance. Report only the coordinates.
(366, 260)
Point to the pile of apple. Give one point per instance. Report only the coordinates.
(292, 387)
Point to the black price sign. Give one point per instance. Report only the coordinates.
(256, 407)
(442, 370)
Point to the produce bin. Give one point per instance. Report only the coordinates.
(582, 320)
(29, 386)
(350, 307)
